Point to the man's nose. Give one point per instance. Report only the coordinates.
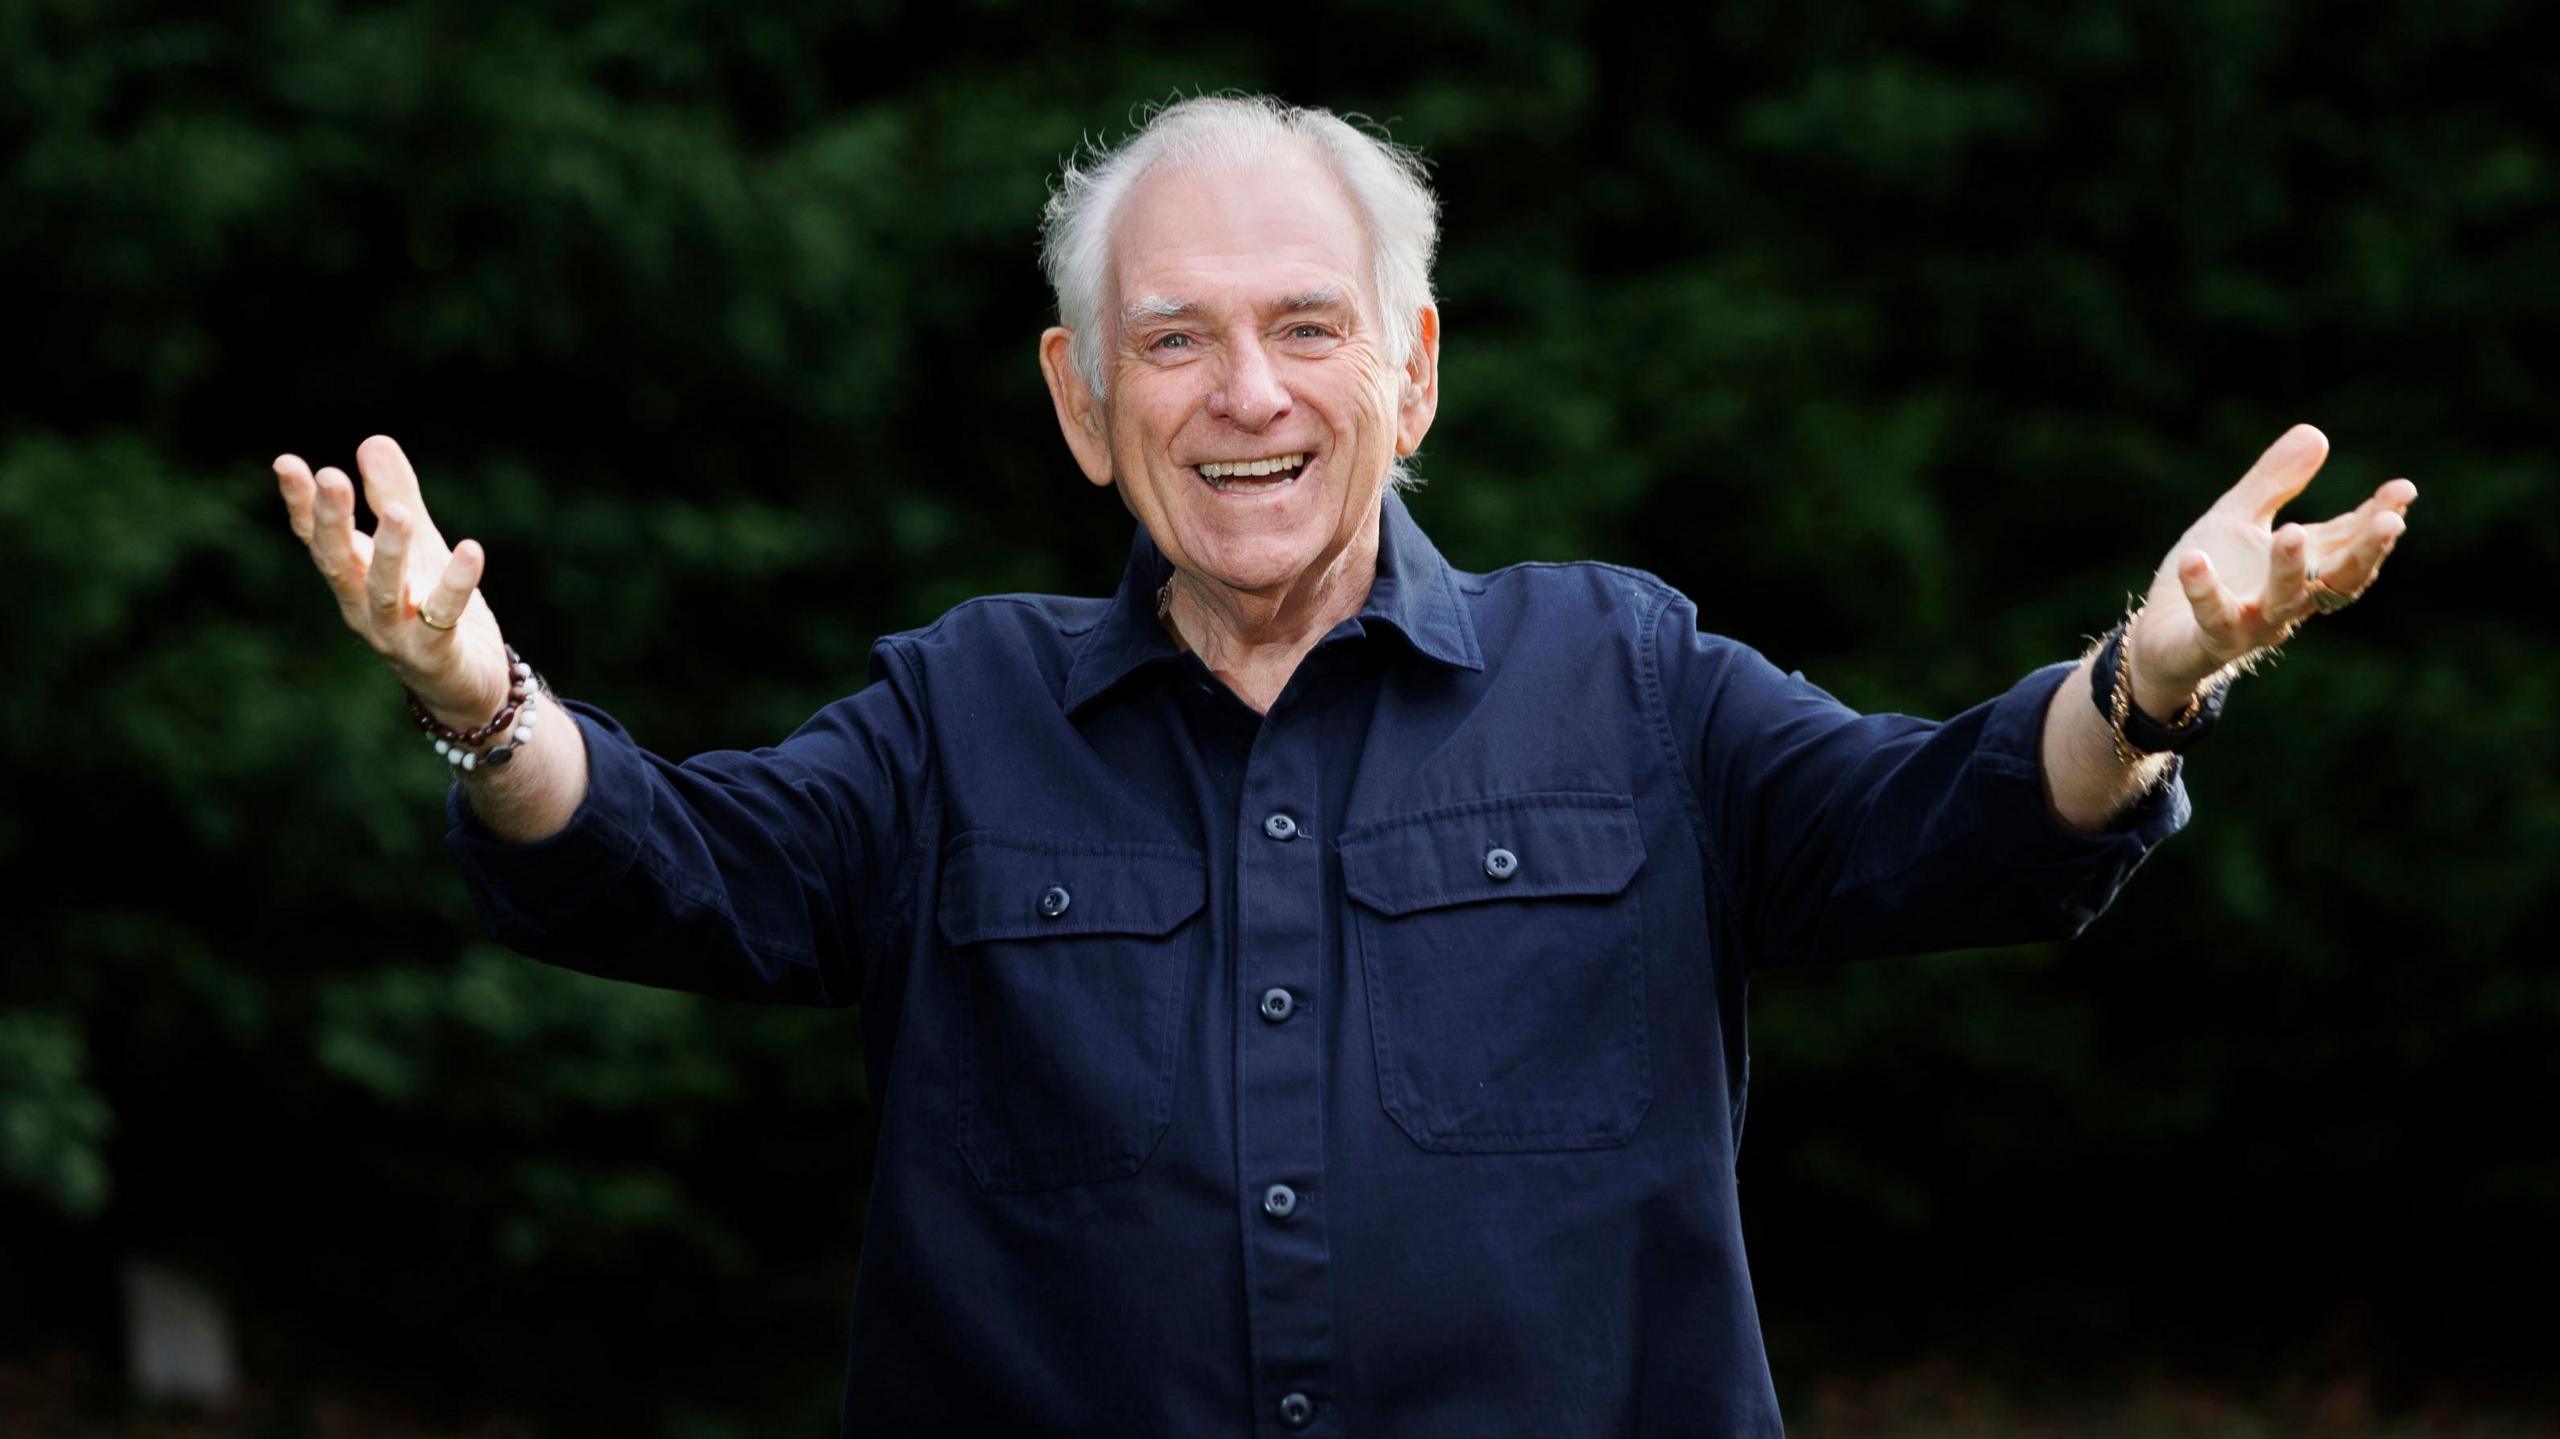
(1249, 392)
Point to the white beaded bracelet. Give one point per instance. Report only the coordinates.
(524, 687)
(496, 756)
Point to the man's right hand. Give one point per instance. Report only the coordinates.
(383, 581)
(460, 674)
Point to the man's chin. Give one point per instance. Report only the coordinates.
(1253, 566)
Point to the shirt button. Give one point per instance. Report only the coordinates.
(1501, 863)
(1276, 1004)
(1053, 902)
(1279, 1201)
(1296, 1410)
(1280, 827)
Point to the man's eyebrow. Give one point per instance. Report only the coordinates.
(1158, 307)
(1324, 299)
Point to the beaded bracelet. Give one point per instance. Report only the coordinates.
(462, 748)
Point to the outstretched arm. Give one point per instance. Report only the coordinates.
(765, 874)
(2194, 630)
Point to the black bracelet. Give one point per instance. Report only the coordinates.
(2139, 732)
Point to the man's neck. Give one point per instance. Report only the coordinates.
(1254, 640)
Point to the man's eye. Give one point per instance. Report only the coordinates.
(1167, 341)
(1313, 330)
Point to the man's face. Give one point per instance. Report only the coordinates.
(1246, 331)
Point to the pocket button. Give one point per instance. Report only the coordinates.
(1053, 901)
(1500, 863)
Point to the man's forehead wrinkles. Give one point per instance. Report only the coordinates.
(1168, 307)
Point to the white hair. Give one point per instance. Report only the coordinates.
(1386, 182)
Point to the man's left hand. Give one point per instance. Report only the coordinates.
(2195, 620)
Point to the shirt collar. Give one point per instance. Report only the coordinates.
(1415, 592)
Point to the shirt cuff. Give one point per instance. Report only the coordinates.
(2012, 756)
(523, 888)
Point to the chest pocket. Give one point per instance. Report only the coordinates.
(1073, 958)
(1502, 950)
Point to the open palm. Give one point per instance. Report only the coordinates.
(385, 581)
(2235, 584)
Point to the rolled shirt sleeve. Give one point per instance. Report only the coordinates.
(762, 874)
(1840, 835)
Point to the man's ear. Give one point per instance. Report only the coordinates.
(1421, 384)
(1080, 416)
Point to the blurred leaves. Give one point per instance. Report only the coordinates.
(53, 1124)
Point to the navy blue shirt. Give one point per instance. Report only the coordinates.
(1374, 1066)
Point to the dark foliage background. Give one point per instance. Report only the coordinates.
(1904, 338)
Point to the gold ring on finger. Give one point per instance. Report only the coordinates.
(2323, 598)
(430, 621)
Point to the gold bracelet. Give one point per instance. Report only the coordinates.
(2121, 700)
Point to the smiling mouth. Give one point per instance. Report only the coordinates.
(1256, 477)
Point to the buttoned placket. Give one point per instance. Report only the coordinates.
(1280, 897)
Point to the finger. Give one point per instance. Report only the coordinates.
(2333, 539)
(335, 545)
(293, 478)
(2394, 496)
(452, 590)
(388, 480)
(2282, 472)
(386, 581)
(2217, 614)
(2358, 563)
(2288, 592)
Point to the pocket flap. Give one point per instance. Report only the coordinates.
(1556, 844)
(997, 887)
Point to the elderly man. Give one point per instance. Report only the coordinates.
(1304, 991)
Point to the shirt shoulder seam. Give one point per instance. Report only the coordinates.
(1018, 601)
(1644, 580)
(893, 909)
(1658, 705)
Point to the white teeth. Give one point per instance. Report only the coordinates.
(1253, 467)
